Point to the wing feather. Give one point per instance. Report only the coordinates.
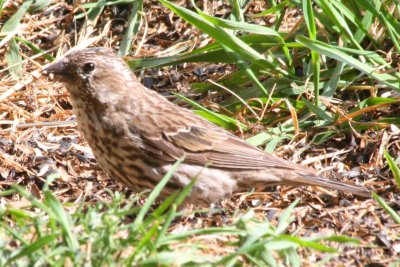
(177, 132)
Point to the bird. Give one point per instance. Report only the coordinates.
(137, 135)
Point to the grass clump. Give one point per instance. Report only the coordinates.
(118, 232)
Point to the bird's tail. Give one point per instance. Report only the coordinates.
(308, 179)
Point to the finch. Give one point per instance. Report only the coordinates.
(137, 135)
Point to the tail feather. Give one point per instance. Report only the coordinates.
(307, 179)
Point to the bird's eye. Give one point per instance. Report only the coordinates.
(88, 67)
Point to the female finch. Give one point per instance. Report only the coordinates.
(137, 135)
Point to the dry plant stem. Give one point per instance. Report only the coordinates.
(365, 110)
(237, 96)
(39, 124)
(9, 160)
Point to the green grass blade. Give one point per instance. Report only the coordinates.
(393, 167)
(312, 31)
(35, 202)
(219, 119)
(62, 217)
(14, 59)
(1, 6)
(337, 54)
(34, 48)
(362, 26)
(154, 194)
(94, 12)
(240, 26)
(14, 233)
(338, 20)
(387, 208)
(223, 37)
(39, 5)
(318, 111)
(331, 86)
(227, 230)
(172, 213)
(246, 68)
(285, 218)
(132, 28)
(210, 53)
(14, 22)
(275, 9)
(309, 18)
(11, 26)
(288, 242)
(28, 250)
(148, 235)
(172, 258)
(339, 239)
(293, 257)
(237, 10)
(391, 24)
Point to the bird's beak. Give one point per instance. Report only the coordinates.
(57, 68)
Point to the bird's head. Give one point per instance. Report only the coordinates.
(95, 72)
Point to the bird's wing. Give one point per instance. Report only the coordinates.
(175, 132)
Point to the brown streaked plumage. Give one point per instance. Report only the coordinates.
(136, 136)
